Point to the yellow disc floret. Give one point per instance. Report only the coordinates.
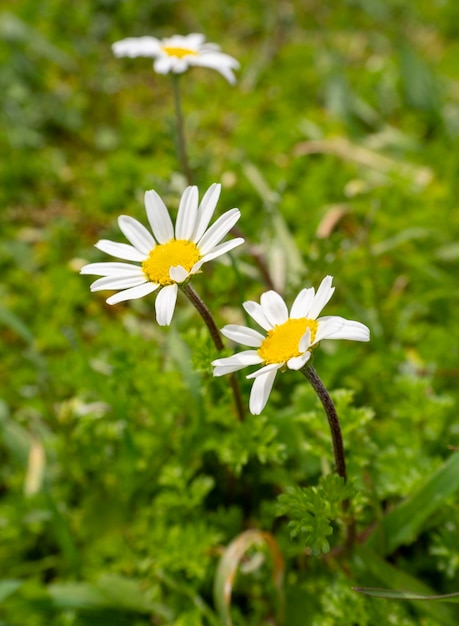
(282, 341)
(166, 255)
(178, 52)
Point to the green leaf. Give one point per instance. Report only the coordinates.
(15, 438)
(406, 595)
(109, 592)
(404, 523)
(312, 509)
(14, 323)
(396, 579)
(7, 587)
(419, 82)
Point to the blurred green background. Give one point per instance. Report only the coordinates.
(123, 471)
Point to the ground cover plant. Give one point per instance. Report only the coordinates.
(144, 479)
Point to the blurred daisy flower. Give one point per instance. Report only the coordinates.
(168, 257)
(176, 54)
(289, 338)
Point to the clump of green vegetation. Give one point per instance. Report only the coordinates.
(130, 491)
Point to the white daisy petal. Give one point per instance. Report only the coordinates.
(137, 234)
(219, 62)
(136, 47)
(193, 41)
(205, 211)
(165, 304)
(335, 327)
(265, 369)
(118, 282)
(218, 230)
(261, 389)
(158, 216)
(178, 274)
(180, 64)
(223, 248)
(305, 341)
(242, 334)
(274, 307)
(297, 362)
(216, 60)
(111, 268)
(197, 266)
(222, 370)
(323, 295)
(302, 303)
(120, 250)
(133, 293)
(236, 362)
(164, 64)
(256, 312)
(187, 214)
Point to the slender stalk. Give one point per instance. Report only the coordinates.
(180, 140)
(257, 257)
(206, 315)
(337, 438)
(332, 416)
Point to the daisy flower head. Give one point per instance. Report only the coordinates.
(166, 256)
(177, 53)
(288, 340)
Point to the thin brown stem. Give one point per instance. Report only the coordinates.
(257, 257)
(337, 439)
(206, 315)
(332, 416)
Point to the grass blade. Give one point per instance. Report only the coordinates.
(404, 523)
(230, 562)
(406, 595)
(396, 579)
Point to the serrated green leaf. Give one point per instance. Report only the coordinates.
(312, 509)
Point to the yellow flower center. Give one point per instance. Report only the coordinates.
(166, 255)
(178, 52)
(282, 341)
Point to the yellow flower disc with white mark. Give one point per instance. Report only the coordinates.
(166, 255)
(178, 52)
(282, 341)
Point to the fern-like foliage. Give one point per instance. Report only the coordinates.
(311, 510)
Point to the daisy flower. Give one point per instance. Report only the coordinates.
(168, 257)
(176, 54)
(289, 338)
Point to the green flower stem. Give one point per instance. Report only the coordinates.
(186, 171)
(206, 315)
(180, 140)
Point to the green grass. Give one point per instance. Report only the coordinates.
(125, 474)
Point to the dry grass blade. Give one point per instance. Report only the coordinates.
(348, 151)
(35, 468)
(232, 559)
